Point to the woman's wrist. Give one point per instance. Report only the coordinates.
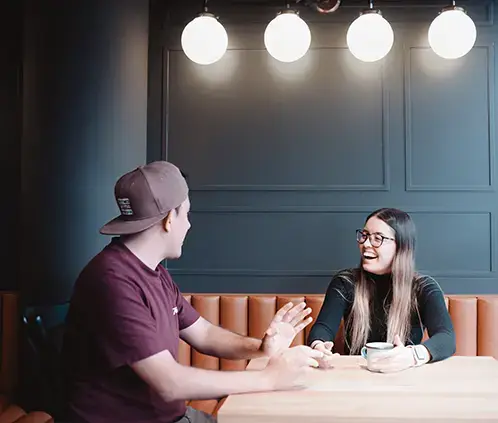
(316, 342)
(421, 354)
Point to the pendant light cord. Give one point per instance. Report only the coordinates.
(205, 6)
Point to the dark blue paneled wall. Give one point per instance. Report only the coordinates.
(286, 160)
(84, 97)
(10, 146)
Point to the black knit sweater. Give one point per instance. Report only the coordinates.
(433, 313)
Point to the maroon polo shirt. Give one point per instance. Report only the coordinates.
(121, 311)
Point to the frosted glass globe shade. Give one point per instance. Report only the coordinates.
(370, 37)
(452, 33)
(287, 37)
(204, 39)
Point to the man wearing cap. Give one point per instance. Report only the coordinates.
(127, 316)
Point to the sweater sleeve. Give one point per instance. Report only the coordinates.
(436, 318)
(334, 305)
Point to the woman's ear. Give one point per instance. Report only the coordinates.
(167, 222)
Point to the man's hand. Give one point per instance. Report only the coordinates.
(173, 382)
(287, 323)
(398, 359)
(327, 361)
(287, 370)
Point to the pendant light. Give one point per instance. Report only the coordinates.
(204, 39)
(452, 34)
(287, 37)
(370, 37)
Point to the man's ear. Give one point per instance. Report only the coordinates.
(167, 222)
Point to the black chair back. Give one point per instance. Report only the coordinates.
(41, 378)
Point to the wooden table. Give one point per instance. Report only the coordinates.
(459, 389)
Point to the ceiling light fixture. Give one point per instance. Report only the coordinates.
(204, 39)
(370, 37)
(287, 37)
(452, 34)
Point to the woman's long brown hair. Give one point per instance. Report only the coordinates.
(404, 285)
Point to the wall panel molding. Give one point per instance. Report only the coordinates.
(334, 209)
(485, 220)
(317, 273)
(289, 228)
(491, 149)
(385, 140)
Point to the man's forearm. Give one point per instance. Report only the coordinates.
(199, 384)
(232, 346)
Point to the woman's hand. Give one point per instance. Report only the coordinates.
(327, 361)
(398, 359)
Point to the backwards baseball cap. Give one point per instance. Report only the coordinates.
(145, 196)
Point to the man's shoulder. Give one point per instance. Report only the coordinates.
(105, 269)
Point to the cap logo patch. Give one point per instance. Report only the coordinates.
(125, 206)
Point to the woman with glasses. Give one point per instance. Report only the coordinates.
(385, 299)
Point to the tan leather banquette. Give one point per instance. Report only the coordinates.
(9, 332)
(475, 319)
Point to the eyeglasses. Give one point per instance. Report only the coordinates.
(375, 239)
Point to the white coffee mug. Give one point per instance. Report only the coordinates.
(375, 349)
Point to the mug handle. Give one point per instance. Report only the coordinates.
(364, 352)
